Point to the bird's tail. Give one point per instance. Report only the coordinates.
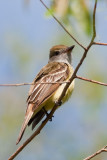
(36, 118)
(24, 125)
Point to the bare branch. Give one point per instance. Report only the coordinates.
(22, 84)
(94, 25)
(63, 26)
(15, 85)
(104, 149)
(97, 43)
(92, 81)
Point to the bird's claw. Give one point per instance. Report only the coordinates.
(51, 119)
(47, 114)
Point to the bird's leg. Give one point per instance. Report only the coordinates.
(47, 114)
(45, 111)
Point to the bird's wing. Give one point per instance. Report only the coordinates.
(52, 72)
(39, 92)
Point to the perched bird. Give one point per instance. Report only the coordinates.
(46, 89)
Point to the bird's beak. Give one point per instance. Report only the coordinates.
(69, 49)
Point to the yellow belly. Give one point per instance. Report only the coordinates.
(50, 103)
(54, 98)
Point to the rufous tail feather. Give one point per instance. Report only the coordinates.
(24, 125)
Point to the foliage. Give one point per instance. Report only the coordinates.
(73, 11)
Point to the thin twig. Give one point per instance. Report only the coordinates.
(97, 153)
(63, 26)
(22, 84)
(92, 81)
(94, 26)
(15, 85)
(63, 93)
(97, 43)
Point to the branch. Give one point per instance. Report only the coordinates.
(15, 85)
(97, 43)
(94, 25)
(78, 77)
(92, 81)
(97, 153)
(22, 84)
(62, 26)
(65, 89)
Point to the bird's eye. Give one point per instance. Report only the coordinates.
(56, 53)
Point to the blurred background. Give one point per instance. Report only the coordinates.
(27, 32)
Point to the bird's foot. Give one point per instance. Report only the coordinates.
(45, 111)
(50, 119)
(47, 114)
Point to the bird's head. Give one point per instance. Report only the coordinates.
(60, 53)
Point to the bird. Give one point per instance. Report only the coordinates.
(47, 87)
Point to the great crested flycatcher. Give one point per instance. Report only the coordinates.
(47, 90)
